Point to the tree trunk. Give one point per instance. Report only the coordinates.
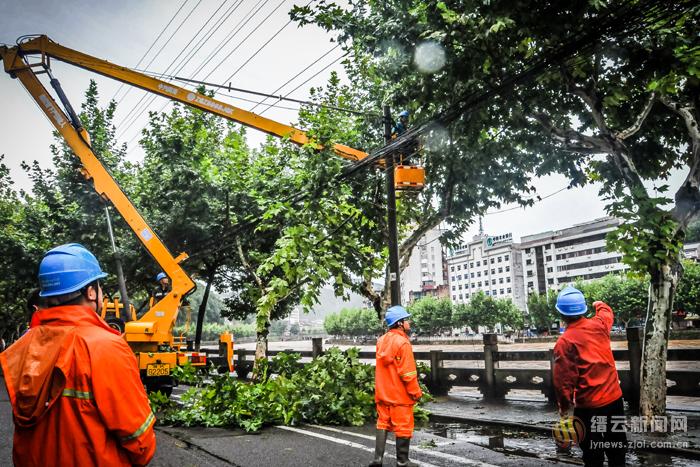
(260, 350)
(656, 332)
(203, 309)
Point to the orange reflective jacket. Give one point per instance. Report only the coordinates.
(584, 368)
(396, 380)
(76, 395)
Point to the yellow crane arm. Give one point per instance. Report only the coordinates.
(108, 188)
(47, 48)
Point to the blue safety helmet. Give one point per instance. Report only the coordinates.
(394, 314)
(68, 268)
(570, 302)
(404, 113)
(161, 275)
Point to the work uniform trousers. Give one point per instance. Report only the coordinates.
(396, 418)
(596, 445)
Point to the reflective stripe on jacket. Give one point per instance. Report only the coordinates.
(396, 378)
(76, 395)
(584, 368)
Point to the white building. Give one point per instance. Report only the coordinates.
(556, 258)
(425, 273)
(691, 251)
(488, 263)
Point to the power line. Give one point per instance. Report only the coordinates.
(297, 75)
(244, 39)
(149, 49)
(180, 65)
(150, 97)
(278, 97)
(228, 38)
(524, 207)
(306, 81)
(154, 57)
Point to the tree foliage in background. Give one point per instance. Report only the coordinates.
(541, 311)
(627, 296)
(353, 322)
(688, 293)
(430, 315)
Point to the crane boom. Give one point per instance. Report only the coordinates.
(45, 47)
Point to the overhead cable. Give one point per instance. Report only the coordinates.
(121, 85)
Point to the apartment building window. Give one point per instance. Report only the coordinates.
(452, 278)
(500, 270)
(472, 275)
(507, 268)
(500, 281)
(454, 297)
(500, 292)
(508, 279)
(505, 258)
(452, 269)
(550, 281)
(460, 296)
(478, 263)
(529, 274)
(550, 269)
(460, 286)
(478, 273)
(473, 286)
(453, 287)
(459, 267)
(528, 262)
(493, 281)
(488, 293)
(466, 295)
(471, 265)
(589, 264)
(530, 284)
(479, 284)
(493, 271)
(500, 259)
(548, 258)
(459, 278)
(493, 260)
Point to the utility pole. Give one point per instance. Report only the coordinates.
(394, 276)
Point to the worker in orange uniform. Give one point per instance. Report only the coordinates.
(585, 379)
(396, 387)
(77, 399)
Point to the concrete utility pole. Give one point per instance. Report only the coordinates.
(394, 276)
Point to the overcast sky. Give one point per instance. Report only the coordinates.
(123, 31)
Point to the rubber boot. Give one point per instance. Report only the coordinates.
(379, 444)
(402, 447)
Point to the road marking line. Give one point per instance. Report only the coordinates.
(443, 455)
(343, 442)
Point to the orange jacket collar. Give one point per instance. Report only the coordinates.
(70, 315)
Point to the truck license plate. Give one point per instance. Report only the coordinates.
(157, 369)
